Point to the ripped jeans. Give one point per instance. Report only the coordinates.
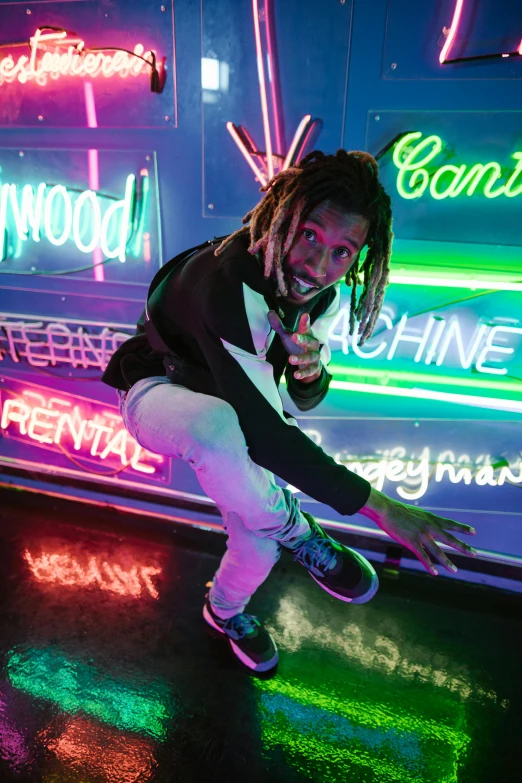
(257, 514)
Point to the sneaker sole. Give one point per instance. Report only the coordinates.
(360, 599)
(257, 667)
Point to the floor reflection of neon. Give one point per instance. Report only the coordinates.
(13, 745)
(394, 745)
(452, 31)
(77, 687)
(63, 569)
(103, 752)
(94, 170)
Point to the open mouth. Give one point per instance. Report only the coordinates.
(301, 286)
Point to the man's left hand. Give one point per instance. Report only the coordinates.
(303, 347)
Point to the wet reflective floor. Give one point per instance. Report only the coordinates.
(109, 673)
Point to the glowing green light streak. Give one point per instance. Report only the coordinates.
(76, 687)
(414, 377)
(298, 743)
(492, 403)
(448, 282)
(138, 238)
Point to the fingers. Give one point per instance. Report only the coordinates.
(449, 540)
(450, 524)
(275, 322)
(313, 371)
(422, 555)
(307, 341)
(437, 554)
(304, 323)
(304, 359)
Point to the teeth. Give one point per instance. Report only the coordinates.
(303, 284)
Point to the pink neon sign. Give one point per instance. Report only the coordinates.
(450, 33)
(63, 568)
(54, 54)
(273, 159)
(80, 429)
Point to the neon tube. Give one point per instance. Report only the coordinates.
(513, 406)
(94, 177)
(417, 377)
(262, 90)
(295, 141)
(453, 29)
(472, 285)
(239, 141)
(273, 77)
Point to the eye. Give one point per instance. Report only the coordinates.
(342, 252)
(309, 234)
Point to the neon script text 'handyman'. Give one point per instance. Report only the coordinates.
(57, 215)
(414, 157)
(71, 61)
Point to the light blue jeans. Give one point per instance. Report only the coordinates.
(257, 514)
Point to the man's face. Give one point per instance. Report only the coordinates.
(327, 244)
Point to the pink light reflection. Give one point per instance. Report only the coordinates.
(103, 751)
(94, 171)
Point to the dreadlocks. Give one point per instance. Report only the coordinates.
(349, 180)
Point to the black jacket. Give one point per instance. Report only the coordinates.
(211, 314)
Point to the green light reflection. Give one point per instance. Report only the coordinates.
(77, 687)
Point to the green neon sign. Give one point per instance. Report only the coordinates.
(58, 214)
(414, 157)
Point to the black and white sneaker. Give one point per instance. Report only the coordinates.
(341, 571)
(250, 641)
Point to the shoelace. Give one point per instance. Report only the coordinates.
(241, 624)
(316, 554)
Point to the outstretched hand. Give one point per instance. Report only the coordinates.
(418, 530)
(303, 347)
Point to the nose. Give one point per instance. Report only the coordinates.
(317, 265)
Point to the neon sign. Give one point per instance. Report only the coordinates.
(416, 472)
(61, 341)
(78, 429)
(54, 63)
(433, 339)
(65, 569)
(58, 214)
(450, 34)
(413, 474)
(265, 164)
(412, 156)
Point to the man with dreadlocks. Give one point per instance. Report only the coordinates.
(199, 381)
